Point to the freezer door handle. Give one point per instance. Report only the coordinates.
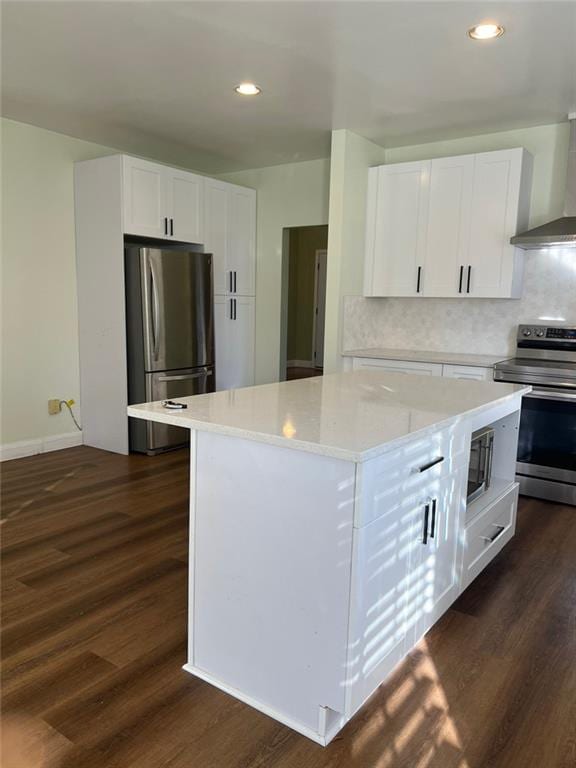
(155, 312)
(187, 376)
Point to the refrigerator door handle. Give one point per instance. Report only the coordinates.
(186, 376)
(155, 312)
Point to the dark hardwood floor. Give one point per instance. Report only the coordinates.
(302, 373)
(94, 623)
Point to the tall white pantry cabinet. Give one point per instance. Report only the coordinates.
(122, 195)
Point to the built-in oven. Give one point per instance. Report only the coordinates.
(546, 464)
(480, 466)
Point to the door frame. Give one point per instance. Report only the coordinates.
(321, 253)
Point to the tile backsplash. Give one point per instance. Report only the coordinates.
(479, 326)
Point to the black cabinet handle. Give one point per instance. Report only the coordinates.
(431, 464)
(426, 513)
(230, 280)
(418, 280)
(165, 225)
(231, 309)
(234, 281)
(468, 281)
(433, 522)
(171, 226)
(461, 277)
(499, 531)
(235, 313)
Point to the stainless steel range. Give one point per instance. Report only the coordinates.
(546, 359)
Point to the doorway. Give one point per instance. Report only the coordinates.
(305, 262)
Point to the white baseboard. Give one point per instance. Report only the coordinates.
(300, 364)
(23, 448)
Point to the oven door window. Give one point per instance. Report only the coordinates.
(548, 432)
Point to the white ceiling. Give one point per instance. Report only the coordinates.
(157, 78)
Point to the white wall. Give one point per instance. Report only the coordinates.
(487, 326)
(351, 156)
(291, 195)
(39, 313)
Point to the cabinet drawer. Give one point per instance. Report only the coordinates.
(398, 366)
(388, 480)
(473, 372)
(488, 533)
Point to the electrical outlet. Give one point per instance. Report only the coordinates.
(54, 407)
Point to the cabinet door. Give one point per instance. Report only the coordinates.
(241, 259)
(448, 226)
(434, 552)
(234, 341)
(379, 600)
(216, 230)
(470, 372)
(396, 229)
(398, 366)
(184, 202)
(495, 201)
(144, 212)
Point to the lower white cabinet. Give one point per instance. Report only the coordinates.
(234, 328)
(471, 372)
(399, 366)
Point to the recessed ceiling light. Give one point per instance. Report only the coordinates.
(485, 31)
(247, 89)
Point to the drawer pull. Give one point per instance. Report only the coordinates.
(433, 523)
(499, 531)
(431, 464)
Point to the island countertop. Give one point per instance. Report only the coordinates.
(353, 416)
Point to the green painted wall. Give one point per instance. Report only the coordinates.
(304, 242)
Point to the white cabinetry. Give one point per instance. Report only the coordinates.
(447, 234)
(397, 210)
(162, 202)
(473, 372)
(230, 227)
(442, 227)
(234, 319)
(399, 366)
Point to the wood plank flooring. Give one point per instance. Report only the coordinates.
(94, 625)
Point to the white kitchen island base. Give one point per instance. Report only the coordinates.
(317, 564)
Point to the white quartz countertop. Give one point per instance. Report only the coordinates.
(354, 416)
(422, 356)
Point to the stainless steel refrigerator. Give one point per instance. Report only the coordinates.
(170, 335)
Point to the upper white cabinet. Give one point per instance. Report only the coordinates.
(162, 202)
(397, 211)
(230, 235)
(442, 227)
(448, 231)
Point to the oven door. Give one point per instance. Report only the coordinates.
(547, 444)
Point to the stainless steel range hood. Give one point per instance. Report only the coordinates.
(560, 232)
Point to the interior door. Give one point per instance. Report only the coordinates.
(241, 257)
(184, 200)
(143, 199)
(447, 238)
(169, 385)
(178, 316)
(399, 230)
(319, 307)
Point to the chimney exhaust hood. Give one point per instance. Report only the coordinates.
(560, 232)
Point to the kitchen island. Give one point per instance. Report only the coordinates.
(330, 529)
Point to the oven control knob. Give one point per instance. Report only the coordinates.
(527, 332)
(540, 333)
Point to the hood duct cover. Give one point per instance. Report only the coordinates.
(560, 232)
